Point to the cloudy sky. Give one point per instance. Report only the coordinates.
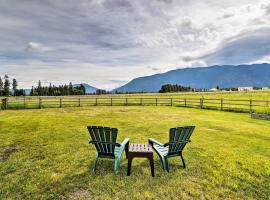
(106, 43)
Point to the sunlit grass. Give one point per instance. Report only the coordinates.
(228, 158)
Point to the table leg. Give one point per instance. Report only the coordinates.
(152, 165)
(126, 149)
(129, 165)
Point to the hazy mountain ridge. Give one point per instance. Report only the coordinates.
(204, 77)
(88, 88)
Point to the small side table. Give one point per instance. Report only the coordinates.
(140, 150)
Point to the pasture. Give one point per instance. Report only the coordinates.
(254, 101)
(44, 154)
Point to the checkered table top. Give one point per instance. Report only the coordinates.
(140, 148)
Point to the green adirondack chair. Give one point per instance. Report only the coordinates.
(178, 139)
(104, 139)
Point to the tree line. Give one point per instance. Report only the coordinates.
(8, 88)
(175, 88)
(61, 90)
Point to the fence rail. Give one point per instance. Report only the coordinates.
(251, 105)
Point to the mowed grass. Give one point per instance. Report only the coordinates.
(45, 155)
(244, 95)
(231, 101)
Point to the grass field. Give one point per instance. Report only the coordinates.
(45, 155)
(230, 101)
(256, 94)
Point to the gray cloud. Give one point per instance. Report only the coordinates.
(36, 47)
(242, 49)
(120, 38)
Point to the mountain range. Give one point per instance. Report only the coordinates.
(224, 76)
(203, 77)
(88, 88)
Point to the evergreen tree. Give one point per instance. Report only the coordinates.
(6, 86)
(14, 86)
(83, 89)
(39, 88)
(61, 90)
(32, 91)
(174, 88)
(70, 89)
(1, 87)
(50, 90)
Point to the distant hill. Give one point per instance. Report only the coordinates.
(204, 77)
(27, 91)
(88, 88)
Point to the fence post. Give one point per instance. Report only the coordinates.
(185, 102)
(250, 105)
(60, 102)
(201, 103)
(5, 103)
(79, 102)
(111, 101)
(221, 104)
(24, 102)
(141, 101)
(171, 102)
(156, 101)
(96, 101)
(40, 103)
(126, 101)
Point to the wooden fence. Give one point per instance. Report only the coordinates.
(258, 106)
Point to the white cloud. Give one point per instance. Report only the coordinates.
(104, 40)
(36, 47)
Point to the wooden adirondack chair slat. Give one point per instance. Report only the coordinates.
(104, 139)
(178, 138)
(93, 135)
(107, 137)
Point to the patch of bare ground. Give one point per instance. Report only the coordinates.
(78, 195)
(7, 152)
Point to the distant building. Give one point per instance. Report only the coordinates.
(213, 89)
(265, 88)
(245, 89)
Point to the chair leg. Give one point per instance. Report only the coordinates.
(119, 162)
(95, 163)
(116, 165)
(167, 164)
(183, 161)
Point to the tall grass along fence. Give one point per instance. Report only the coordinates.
(258, 106)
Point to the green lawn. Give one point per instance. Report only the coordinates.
(232, 101)
(257, 95)
(45, 155)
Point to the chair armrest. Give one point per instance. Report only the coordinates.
(178, 142)
(103, 142)
(123, 146)
(125, 142)
(153, 141)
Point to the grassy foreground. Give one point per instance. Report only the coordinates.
(44, 154)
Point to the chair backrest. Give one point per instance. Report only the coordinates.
(104, 139)
(178, 138)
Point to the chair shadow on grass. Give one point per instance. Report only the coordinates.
(83, 180)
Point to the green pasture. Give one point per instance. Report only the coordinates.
(232, 101)
(256, 94)
(44, 154)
